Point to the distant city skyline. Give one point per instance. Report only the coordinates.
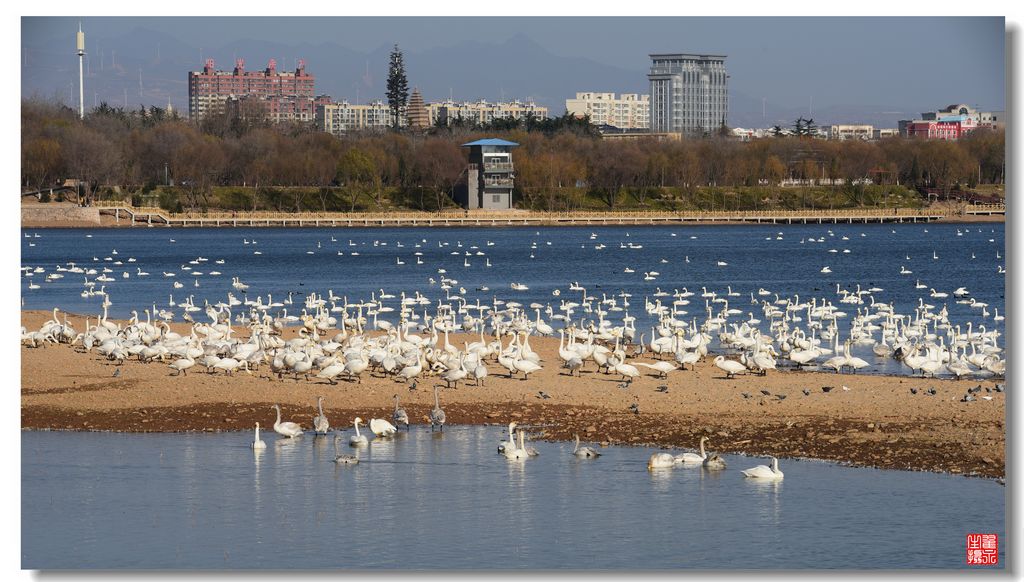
(835, 68)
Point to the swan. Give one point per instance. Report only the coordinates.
(357, 439)
(399, 416)
(343, 459)
(511, 442)
(661, 461)
(181, 366)
(584, 452)
(519, 452)
(730, 367)
(714, 461)
(437, 416)
(765, 472)
(320, 423)
(693, 458)
(381, 427)
(258, 443)
(288, 429)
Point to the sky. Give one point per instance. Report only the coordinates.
(819, 62)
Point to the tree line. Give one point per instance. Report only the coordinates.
(560, 165)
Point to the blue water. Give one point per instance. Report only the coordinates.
(433, 501)
(757, 257)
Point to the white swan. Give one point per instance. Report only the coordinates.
(288, 429)
(765, 472)
(381, 427)
(730, 367)
(693, 458)
(357, 439)
(257, 443)
(661, 461)
(517, 453)
(584, 452)
(511, 442)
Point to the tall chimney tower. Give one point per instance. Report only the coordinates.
(81, 59)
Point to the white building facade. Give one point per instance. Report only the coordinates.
(689, 93)
(482, 112)
(627, 111)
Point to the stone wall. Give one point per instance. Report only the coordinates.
(36, 215)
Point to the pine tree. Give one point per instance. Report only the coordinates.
(809, 128)
(798, 127)
(398, 86)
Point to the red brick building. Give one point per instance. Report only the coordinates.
(938, 129)
(286, 94)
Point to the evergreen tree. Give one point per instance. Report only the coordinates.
(777, 131)
(398, 86)
(810, 130)
(798, 127)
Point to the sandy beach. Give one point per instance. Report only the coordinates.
(874, 421)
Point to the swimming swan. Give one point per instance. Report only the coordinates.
(584, 452)
(257, 443)
(693, 458)
(357, 439)
(764, 472)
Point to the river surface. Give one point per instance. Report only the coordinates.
(785, 261)
(428, 500)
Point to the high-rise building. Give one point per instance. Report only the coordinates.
(627, 111)
(210, 90)
(689, 93)
(416, 112)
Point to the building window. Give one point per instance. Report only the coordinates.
(496, 198)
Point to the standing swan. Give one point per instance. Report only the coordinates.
(382, 428)
(357, 439)
(320, 423)
(764, 472)
(288, 429)
(437, 416)
(257, 443)
(399, 416)
(584, 452)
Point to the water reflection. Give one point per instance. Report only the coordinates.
(432, 502)
(769, 493)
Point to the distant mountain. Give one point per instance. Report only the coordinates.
(745, 111)
(518, 68)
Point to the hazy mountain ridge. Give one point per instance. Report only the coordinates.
(518, 68)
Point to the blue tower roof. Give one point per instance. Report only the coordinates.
(491, 141)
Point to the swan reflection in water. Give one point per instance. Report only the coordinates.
(771, 511)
